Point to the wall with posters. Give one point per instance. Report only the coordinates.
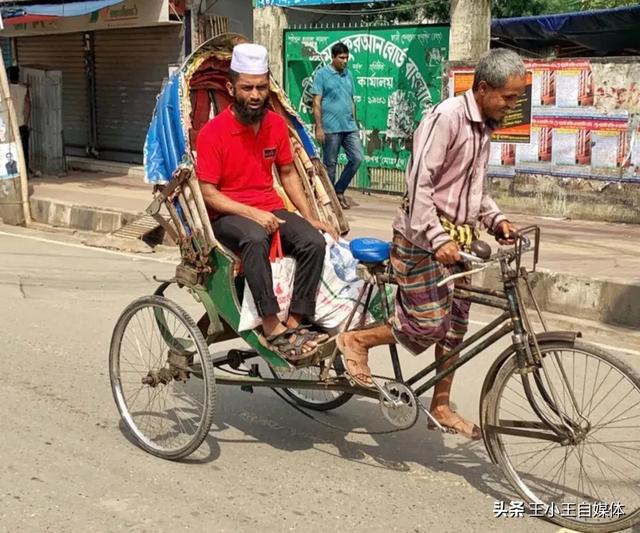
(10, 191)
(397, 74)
(583, 140)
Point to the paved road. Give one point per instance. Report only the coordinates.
(67, 466)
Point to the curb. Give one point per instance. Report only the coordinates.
(61, 214)
(605, 301)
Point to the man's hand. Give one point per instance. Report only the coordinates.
(506, 232)
(326, 228)
(320, 134)
(267, 220)
(448, 254)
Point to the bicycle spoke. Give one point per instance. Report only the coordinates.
(576, 387)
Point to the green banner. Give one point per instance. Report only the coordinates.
(397, 74)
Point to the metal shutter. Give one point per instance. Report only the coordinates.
(63, 52)
(130, 67)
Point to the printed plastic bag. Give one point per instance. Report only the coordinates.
(339, 290)
(283, 272)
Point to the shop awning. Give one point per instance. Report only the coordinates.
(48, 11)
(602, 32)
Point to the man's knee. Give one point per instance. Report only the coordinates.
(356, 159)
(256, 240)
(313, 243)
(439, 328)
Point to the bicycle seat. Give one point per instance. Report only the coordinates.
(367, 250)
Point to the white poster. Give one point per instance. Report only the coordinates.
(564, 147)
(8, 161)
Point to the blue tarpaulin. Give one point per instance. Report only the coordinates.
(31, 13)
(606, 31)
(166, 144)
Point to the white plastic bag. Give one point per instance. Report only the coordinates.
(283, 271)
(339, 287)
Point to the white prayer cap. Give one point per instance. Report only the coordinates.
(249, 58)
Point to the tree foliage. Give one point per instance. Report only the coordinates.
(438, 10)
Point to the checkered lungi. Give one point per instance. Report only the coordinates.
(425, 314)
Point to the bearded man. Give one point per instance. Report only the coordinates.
(236, 152)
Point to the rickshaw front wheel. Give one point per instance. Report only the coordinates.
(162, 377)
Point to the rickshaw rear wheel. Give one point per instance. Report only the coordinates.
(314, 399)
(162, 377)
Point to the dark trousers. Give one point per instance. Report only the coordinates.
(24, 137)
(251, 242)
(350, 141)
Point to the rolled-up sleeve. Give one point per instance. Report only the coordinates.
(430, 143)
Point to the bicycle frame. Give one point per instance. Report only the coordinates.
(513, 320)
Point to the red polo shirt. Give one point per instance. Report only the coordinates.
(239, 162)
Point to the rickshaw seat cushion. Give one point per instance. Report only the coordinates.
(369, 250)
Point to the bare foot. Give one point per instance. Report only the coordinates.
(452, 421)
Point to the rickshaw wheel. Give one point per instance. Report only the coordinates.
(316, 400)
(162, 377)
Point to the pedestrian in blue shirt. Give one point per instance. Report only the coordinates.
(334, 112)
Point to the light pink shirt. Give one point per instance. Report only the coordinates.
(447, 174)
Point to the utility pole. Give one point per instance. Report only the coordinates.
(470, 34)
(14, 200)
(269, 24)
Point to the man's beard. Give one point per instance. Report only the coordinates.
(249, 116)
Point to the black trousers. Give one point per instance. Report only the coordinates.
(251, 242)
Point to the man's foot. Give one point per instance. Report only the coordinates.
(454, 423)
(293, 344)
(344, 203)
(355, 360)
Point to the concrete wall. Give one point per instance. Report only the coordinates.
(11, 211)
(589, 119)
(270, 22)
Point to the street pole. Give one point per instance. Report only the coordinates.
(22, 165)
(470, 35)
(269, 24)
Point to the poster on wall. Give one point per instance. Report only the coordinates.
(516, 127)
(397, 74)
(8, 151)
(8, 161)
(572, 133)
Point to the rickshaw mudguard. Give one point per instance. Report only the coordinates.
(220, 298)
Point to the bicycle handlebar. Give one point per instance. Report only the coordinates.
(524, 246)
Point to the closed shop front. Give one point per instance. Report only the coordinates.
(65, 53)
(130, 67)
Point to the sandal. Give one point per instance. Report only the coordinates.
(292, 350)
(459, 427)
(314, 335)
(355, 365)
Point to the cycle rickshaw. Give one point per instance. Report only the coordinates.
(558, 416)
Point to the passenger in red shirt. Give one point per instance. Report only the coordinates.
(236, 152)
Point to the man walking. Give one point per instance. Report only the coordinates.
(334, 113)
(445, 191)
